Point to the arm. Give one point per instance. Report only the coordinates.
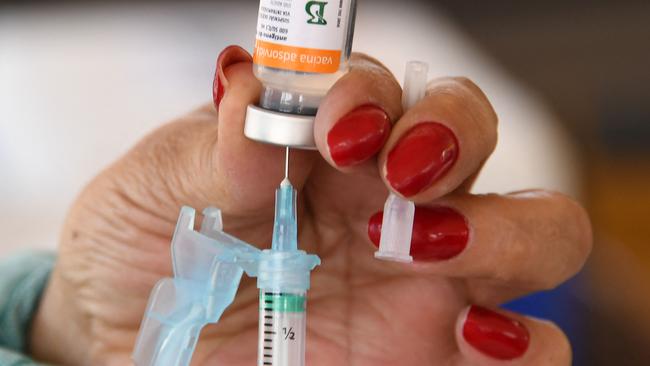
(22, 280)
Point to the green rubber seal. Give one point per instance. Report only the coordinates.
(284, 303)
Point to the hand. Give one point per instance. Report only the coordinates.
(472, 252)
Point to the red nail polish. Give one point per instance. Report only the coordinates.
(374, 227)
(359, 135)
(495, 335)
(217, 90)
(421, 157)
(439, 233)
(229, 56)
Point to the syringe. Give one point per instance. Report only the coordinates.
(283, 282)
(208, 266)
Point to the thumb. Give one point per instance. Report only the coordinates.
(203, 159)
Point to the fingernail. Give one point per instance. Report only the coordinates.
(374, 228)
(229, 56)
(421, 157)
(217, 91)
(439, 233)
(495, 335)
(358, 136)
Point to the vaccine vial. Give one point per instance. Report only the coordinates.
(302, 48)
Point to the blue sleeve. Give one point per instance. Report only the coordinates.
(10, 358)
(22, 281)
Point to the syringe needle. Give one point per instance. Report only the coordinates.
(286, 165)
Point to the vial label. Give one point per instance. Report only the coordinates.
(299, 35)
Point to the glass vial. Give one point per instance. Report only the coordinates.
(302, 48)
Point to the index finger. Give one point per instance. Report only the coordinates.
(354, 120)
(440, 143)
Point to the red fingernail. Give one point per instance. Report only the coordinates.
(374, 228)
(421, 157)
(494, 334)
(217, 91)
(359, 135)
(229, 56)
(439, 233)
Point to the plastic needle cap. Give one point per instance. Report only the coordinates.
(285, 228)
(397, 224)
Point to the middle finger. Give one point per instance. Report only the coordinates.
(501, 246)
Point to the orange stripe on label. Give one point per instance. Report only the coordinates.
(297, 58)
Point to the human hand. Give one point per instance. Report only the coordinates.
(469, 250)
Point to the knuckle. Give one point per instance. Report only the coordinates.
(364, 62)
(462, 97)
(465, 89)
(469, 86)
(484, 113)
(369, 82)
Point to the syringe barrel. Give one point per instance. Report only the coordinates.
(282, 328)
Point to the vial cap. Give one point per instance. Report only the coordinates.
(284, 129)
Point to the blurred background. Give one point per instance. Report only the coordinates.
(81, 82)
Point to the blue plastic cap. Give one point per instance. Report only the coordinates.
(285, 228)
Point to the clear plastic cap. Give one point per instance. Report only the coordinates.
(415, 83)
(396, 230)
(397, 224)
